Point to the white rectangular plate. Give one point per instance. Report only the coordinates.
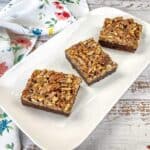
(55, 132)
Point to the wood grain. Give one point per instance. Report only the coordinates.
(127, 126)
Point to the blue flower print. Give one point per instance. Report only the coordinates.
(37, 31)
(4, 126)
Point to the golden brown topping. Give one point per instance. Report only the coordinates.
(54, 90)
(89, 58)
(121, 31)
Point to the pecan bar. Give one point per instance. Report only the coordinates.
(90, 60)
(121, 34)
(51, 91)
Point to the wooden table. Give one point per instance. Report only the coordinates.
(127, 126)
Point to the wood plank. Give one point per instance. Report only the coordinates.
(141, 87)
(126, 127)
(128, 4)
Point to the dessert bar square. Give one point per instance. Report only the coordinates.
(51, 91)
(88, 58)
(121, 34)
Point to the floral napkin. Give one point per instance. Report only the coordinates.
(9, 135)
(22, 22)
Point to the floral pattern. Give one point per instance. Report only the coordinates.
(45, 1)
(4, 124)
(37, 32)
(20, 46)
(58, 12)
(70, 1)
(63, 15)
(22, 41)
(7, 130)
(18, 59)
(53, 16)
(58, 5)
(14, 49)
(3, 68)
(51, 22)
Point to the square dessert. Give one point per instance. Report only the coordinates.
(121, 34)
(92, 63)
(51, 91)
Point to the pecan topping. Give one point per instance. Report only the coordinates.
(53, 90)
(121, 31)
(90, 60)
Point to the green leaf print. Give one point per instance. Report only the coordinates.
(51, 22)
(18, 58)
(41, 6)
(47, 22)
(54, 20)
(3, 115)
(15, 48)
(41, 15)
(9, 128)
(10, 146)
(45, 1)
(70, 1)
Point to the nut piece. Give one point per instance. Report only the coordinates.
(51, 91)
(119, 33)
(90, 60)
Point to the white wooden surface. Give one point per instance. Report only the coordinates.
(127, 126)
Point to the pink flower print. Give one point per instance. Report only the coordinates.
(24, 42)
(65, 14)
(3, 68)
(62, 15)
(58, 5)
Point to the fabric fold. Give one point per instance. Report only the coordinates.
(22, 23)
